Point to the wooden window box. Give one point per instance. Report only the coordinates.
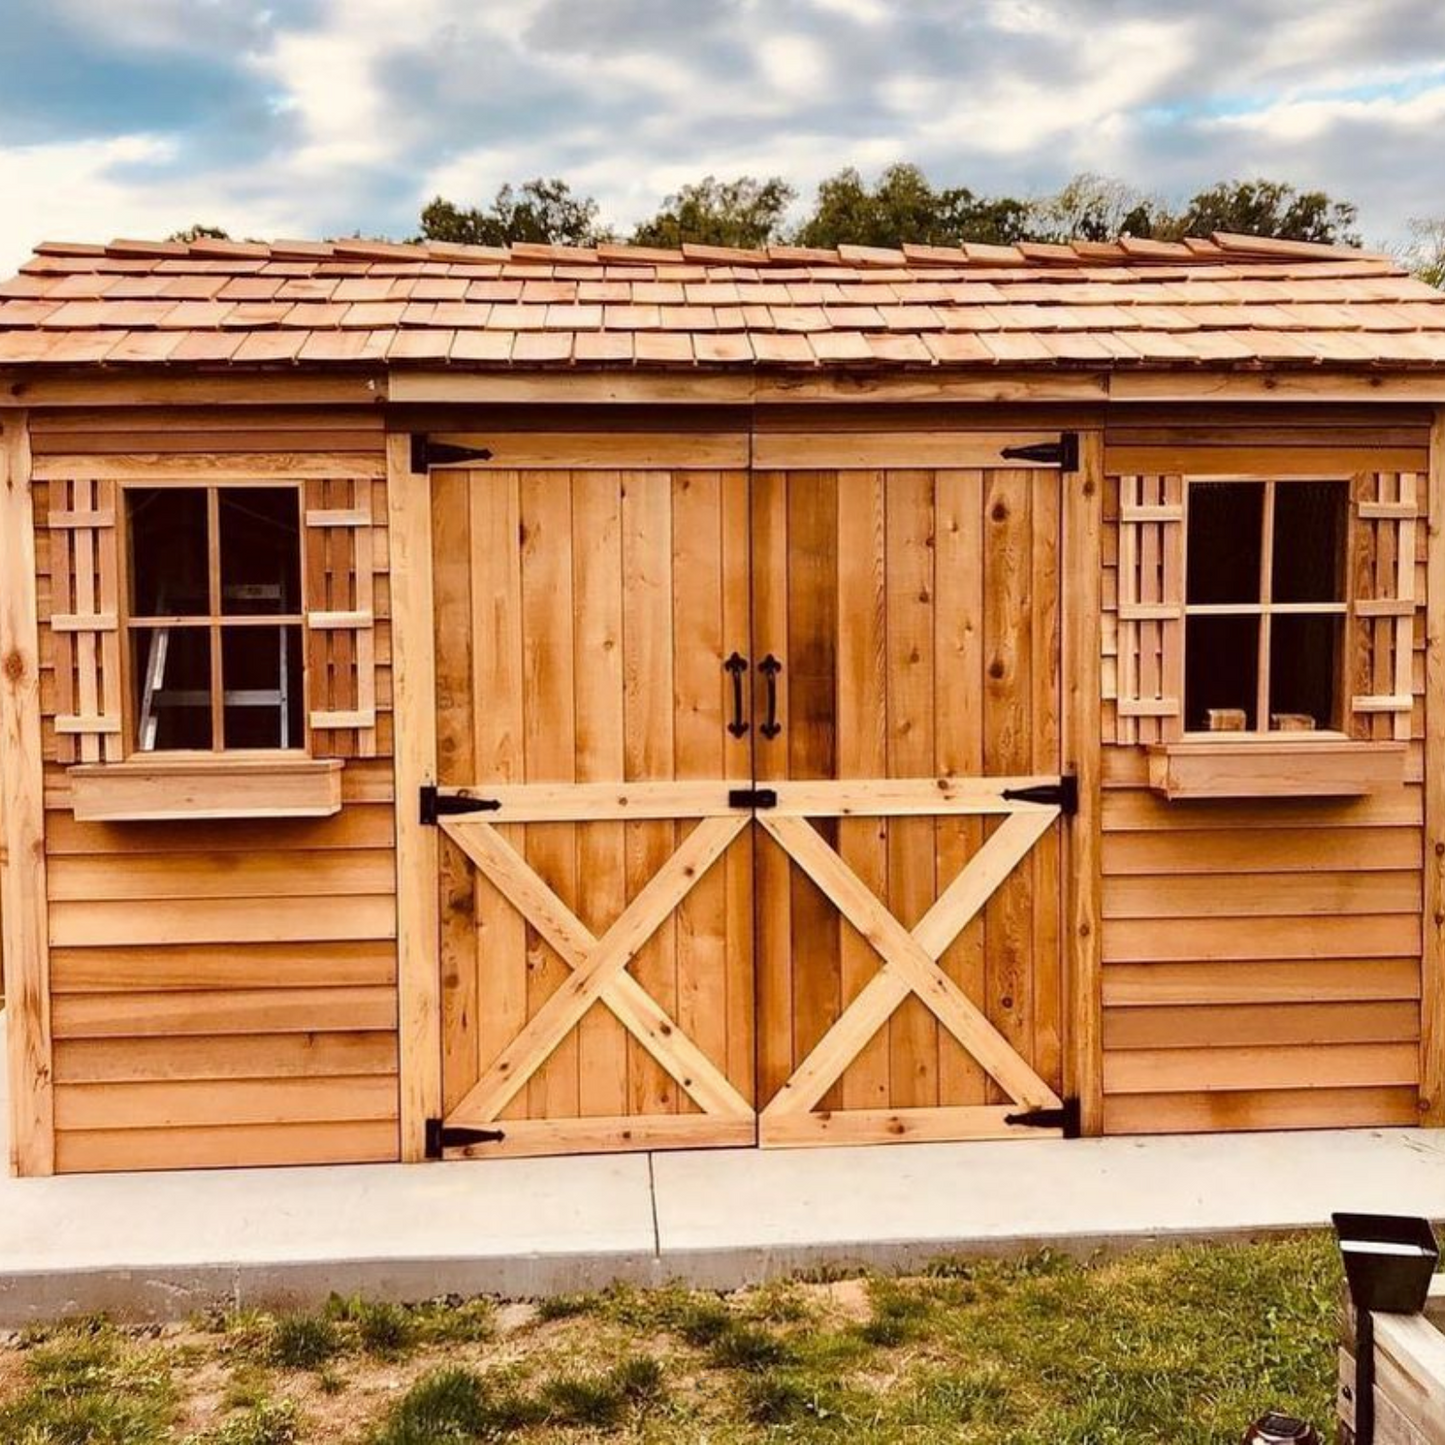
(219, 787)
(1310, 767)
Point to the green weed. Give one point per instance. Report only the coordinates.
(899, 1314)
(749, 1347)
(303, 1342)
(601, 1401)
(565, 1306)
(268, 1422)
(455, 1405)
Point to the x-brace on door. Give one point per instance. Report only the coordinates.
(909, 877)
(748, 790)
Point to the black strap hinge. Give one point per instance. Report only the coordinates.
(436, 805)
(426, 454)
(1063, 453)
(1066, 1118)
(752, 798)
(1063, 795)
(440, 1138)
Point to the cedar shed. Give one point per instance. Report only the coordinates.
(481, 702)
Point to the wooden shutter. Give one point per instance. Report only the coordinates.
(1382, 602)
(1151, 609)
(84, 621)
(340, 616)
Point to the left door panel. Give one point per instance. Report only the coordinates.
(596, 926)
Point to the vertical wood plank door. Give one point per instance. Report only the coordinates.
(597, 907)
(907, 690)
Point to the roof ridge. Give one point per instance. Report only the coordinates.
(1220, 247)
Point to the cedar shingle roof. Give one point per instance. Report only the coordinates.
(1230, 300)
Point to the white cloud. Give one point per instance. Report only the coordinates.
(71, 192)
(795, 65)
(865, 12)
(1011, 114)
(629, 99)
(1308, 118)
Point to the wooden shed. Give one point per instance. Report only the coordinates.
(487, 702)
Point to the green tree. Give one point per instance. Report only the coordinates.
(905, 206)
(199, 233)
(539, 210)
(1097, 208)
(1424, 253)
(744, 212)
(1270, 208)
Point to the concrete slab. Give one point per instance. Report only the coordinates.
(734, 1214)
(164, 1245)
(170, 1243)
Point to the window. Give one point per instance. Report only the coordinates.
(1264, 613)
(213, 623)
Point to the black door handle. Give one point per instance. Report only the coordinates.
(770, 667)
(737, 664)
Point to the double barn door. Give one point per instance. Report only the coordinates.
(747, 786)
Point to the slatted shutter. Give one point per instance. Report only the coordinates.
(340, 616)
(84, 620)
(1151, 609)
(1382, 603)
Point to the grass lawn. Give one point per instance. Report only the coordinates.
(1183, 1346)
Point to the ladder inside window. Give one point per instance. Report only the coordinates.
(157, 698)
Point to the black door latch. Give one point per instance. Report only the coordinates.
(752, 798)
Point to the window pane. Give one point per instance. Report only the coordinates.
(260, 549)
(168, 553)
(1225, 519)
(171, 669)
(1304, 670)
(1309, 541)
(1221, 671)
(261, 678)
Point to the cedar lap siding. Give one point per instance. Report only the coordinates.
(267, 989)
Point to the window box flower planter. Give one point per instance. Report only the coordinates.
(1299, 767)
(218, 787)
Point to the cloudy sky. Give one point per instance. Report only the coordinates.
(326, 117)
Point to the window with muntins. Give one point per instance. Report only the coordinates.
(1265, 604)
(214, 613)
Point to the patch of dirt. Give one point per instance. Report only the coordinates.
(849, 1298)
(203, 1390)
(515, 1315)
(12, 1369)
(368, 1390)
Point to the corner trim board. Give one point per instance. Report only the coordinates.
(1082, 606)
(23, 923)
(417, 906)
(1432, 962)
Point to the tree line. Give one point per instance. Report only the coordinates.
(903, 204)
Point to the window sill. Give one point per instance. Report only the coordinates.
(142, 789)
(1300, 767)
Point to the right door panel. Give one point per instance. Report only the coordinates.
(908, 934)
